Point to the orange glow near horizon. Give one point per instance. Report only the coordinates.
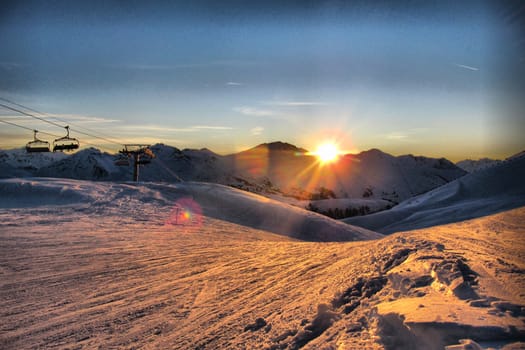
(327, 153)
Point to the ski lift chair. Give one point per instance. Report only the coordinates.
(37, 145)
(65, 143)
(146, 156)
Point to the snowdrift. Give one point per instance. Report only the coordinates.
(16, 193)
(157, 202)
(481, 193)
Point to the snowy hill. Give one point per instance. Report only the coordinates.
(100, 265)
(470, 165)
(487, 191)
(158, 203)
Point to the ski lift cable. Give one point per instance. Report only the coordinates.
(25, 127)
(42, 132)
(51, 122)
(55, 124)
(31, 115)
(59, 119)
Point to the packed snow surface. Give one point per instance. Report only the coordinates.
(483, 192)
(105, 265)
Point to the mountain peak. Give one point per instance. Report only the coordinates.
(374, 152)
(281, 147)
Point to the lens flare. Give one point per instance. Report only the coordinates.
(327, 153)
(185, 212)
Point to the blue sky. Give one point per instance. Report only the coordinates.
(432, 78)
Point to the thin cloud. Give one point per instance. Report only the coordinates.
(17, 118)
(153, 67)
(11, 65)
(145, 128)
(254, 112)
(144, 66)
(84, 119)
(160, 128)
(466, 67)
(257, 130)
(211, 127)
(234, 83)
(296, 103)
(61, 118)
(396, 136)
(406, 135)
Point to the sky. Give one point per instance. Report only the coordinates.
(441, 79)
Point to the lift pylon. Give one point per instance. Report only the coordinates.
(141, 155)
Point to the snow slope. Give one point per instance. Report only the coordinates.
(484, 192)
(158, 203)
(110, 271)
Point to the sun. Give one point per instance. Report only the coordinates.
(327, 153)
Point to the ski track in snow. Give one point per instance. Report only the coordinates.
(108, 272)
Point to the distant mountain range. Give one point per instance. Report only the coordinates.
(471, 166)
(369, 174)
(276, 167)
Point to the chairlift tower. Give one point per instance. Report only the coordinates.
(141, 155)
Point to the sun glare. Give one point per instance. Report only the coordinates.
(327, 153)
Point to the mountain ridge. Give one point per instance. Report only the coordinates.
(268, 167)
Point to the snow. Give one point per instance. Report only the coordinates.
(484, 192)
(385, 176)
(193, 265)
(471, 166)
(212, 200)
(17, 162)
(263, 169)
(103, 265)
(20, 158)
(88, 164)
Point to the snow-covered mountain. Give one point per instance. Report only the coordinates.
(172, 165)
(87, 164)
(19, 163)
(266, 168)
(484, 192)
(470, 165)
(369, 174)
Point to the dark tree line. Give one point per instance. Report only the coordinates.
(339, 213)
